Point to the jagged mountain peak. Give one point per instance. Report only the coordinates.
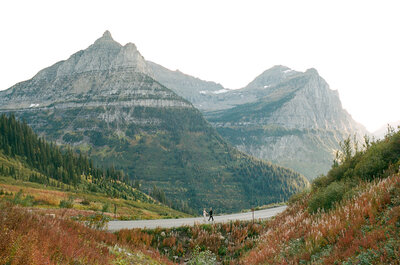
(131, 47)
(312, 71)
(106, 41)
(278, 67)
(104, 54)
(105, 38)
(270, 77)
(107, 35)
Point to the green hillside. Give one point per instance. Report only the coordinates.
(182, 155)
(43, 175)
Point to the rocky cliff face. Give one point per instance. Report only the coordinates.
(298, 122)
(290, 118)
(103, 101)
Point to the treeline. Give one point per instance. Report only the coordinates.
(18, 139)
(180, 205)
(57, 167)
(266, 183)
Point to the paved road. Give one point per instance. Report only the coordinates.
(168, 223)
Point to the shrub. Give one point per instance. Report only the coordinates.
(202, 258)
(95, 221)
(298, 197)
(321, 182)
(19, 199)
(85, 202)
(326, 199)
(169, 242)
(28, 201)
(106, 207)
(222, 251)
(67, 203)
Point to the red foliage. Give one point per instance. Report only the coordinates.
(339, 228)
(134, 237)
(169, 241)
(27, 238)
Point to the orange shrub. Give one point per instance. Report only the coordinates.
(169, 241)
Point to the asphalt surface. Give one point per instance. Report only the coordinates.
(169, 223)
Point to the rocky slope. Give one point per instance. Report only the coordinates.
(290, 118)
(103, 101)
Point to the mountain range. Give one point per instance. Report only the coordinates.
(284, 116)
(105, 102)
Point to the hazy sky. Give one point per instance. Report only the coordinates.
(354, 45)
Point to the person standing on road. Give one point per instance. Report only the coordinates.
(204, 214)
(211, 215)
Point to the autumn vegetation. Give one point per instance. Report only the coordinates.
(224, 242)
(350, 216)
(54, 205)
(31, 238)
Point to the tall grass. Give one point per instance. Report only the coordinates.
(362, 229)
(226, 241)
(28, 237)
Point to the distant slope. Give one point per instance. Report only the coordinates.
(103, 101)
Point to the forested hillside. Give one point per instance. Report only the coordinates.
(55, 166)
(67, 180)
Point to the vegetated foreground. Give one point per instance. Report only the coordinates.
(351, 216)
(362, 230)
(200, 244)
(31, 238)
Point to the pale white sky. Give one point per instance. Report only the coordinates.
(354, 45)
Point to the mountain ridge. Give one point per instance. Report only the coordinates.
(299, 105)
